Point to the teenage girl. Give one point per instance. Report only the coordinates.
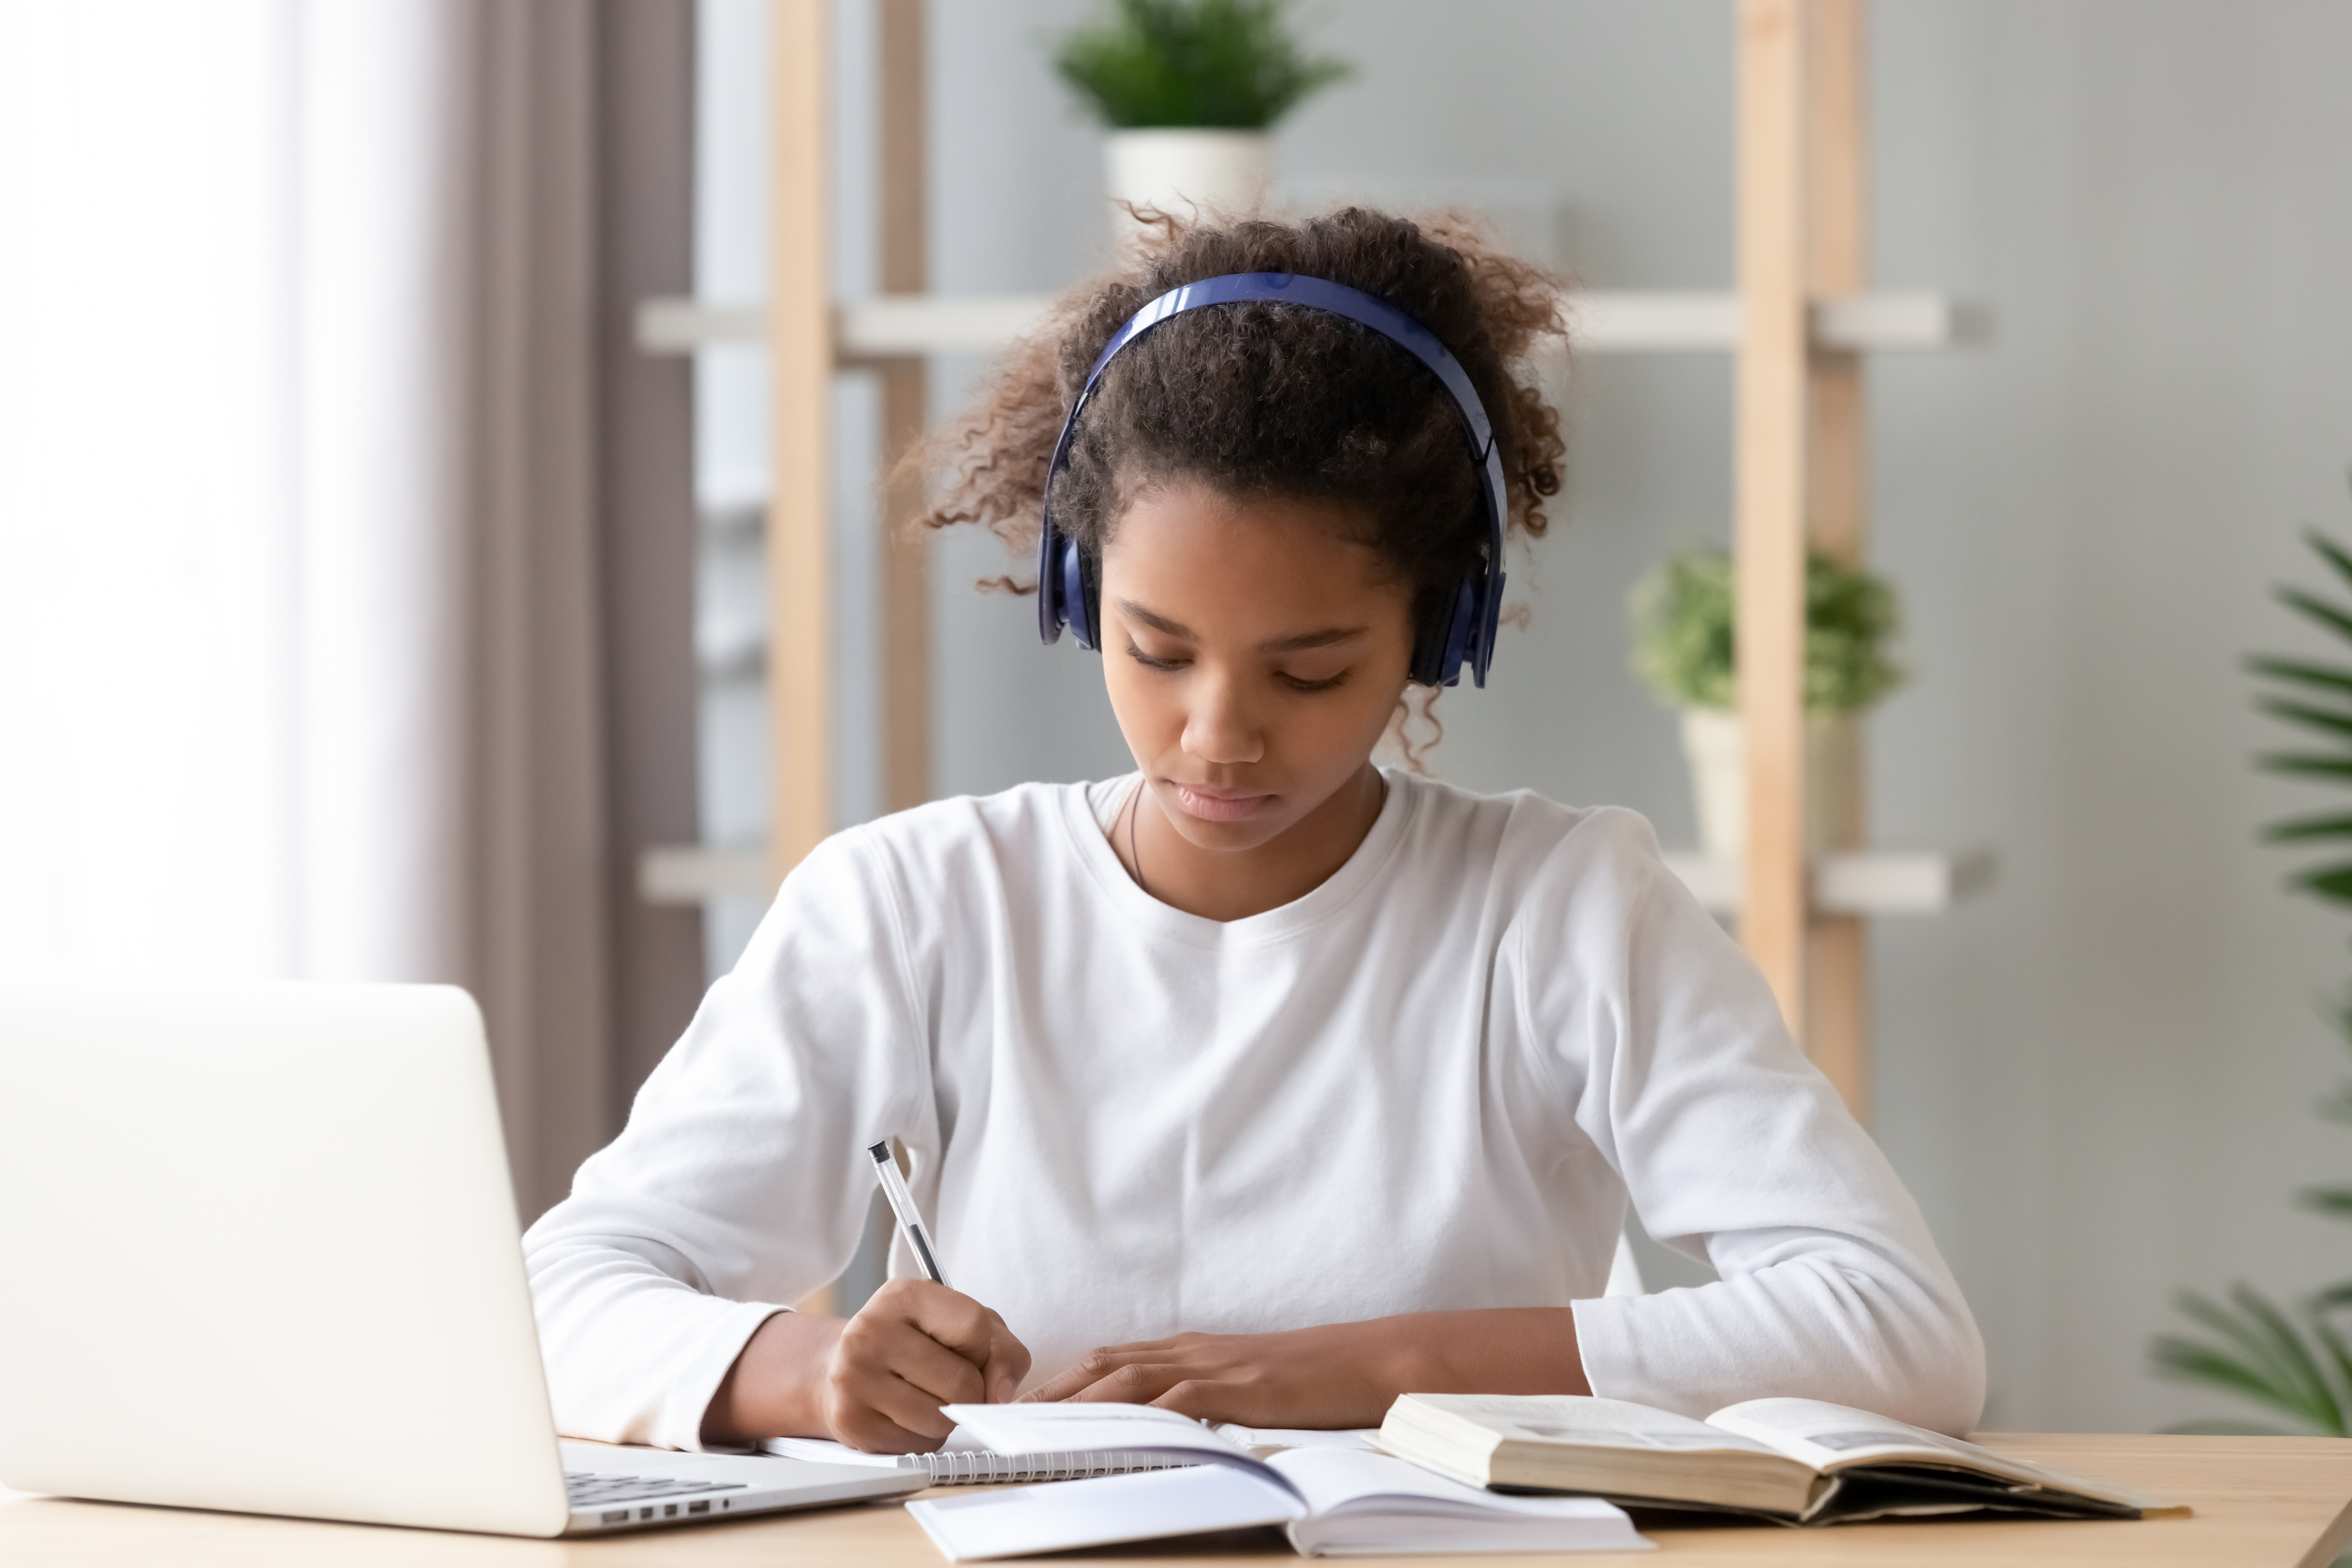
(1263, 1083)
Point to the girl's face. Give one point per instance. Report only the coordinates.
(1254, 654)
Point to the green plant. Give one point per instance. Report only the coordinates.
(2293, 1360)
(1683, 633)
(1225, 63)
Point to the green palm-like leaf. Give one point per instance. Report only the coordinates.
(2298, 1365)
(2313, 607)
(2330, 551)
(2327, 720)
(2332, 883)
(2305, 827)
(2340, 1362)
(2302, 672)
(2190, 1361)
(2293, 1358)
(2263, 1358)
(2309, 765)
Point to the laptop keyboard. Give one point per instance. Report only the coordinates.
(588, 1489)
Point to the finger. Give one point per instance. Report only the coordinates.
(864, 1427)
(1084, 1373)
(1137, 1382)
(945, 1314)
(1006, 1365)
(905, 1406)
(897, 1349)
(953, 1318)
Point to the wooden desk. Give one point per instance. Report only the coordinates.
(2261, 1503)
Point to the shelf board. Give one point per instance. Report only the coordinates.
(698, 873)
(1876, 883)
(1919, 883)
(884, 327)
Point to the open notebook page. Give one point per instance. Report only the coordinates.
(963, 1461)
(1331, 1502)
(1036, 1428)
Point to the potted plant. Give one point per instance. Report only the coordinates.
(1682, 642)
(1189, 89)
(2294, 1357)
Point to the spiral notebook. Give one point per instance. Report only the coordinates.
(963, 1461)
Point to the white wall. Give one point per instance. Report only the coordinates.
(2098, 1079)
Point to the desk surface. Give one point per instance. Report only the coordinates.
(2261, 1503)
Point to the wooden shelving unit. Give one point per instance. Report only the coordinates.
(1800, 323)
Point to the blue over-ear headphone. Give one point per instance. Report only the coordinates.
(1462, 631)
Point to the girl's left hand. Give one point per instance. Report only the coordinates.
(1306, 1377)
(1337, 1375)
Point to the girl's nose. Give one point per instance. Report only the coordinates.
(1220, 728)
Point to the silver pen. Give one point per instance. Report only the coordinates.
(902, 1204)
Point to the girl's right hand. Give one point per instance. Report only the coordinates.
(876, 1381)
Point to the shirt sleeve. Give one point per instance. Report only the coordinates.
(1731, 1144)
(739, 1183)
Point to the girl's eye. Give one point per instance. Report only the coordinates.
(1148, 662)
(1299, 683)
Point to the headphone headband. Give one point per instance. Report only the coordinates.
(1465, 630)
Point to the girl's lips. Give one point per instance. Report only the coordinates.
(1211, 806)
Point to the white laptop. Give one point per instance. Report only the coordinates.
(262, 1254)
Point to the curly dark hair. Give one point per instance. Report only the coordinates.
(1273, 399)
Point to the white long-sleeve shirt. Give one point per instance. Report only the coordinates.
(1433, 1082)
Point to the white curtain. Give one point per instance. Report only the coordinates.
(299, 599)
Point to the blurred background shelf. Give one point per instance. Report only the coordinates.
(911, 326)
(1915, 882)
(698, 873)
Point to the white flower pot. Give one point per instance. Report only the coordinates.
(1713, 745)
(1188, 174)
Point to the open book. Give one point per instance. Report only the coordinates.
(1332, 1500)
(1799, 1462)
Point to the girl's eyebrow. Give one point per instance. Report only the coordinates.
(1301, 642)
(1304, 640)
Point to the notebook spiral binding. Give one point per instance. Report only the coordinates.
(964, 1466)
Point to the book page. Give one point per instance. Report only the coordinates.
(1837, 1437)
(1332, 1478)
(1020, 1522)
(1584, 1419)
(1036, 1428)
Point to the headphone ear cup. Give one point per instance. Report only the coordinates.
(1051, 616)
(1081, 596)
(1444, 638)
(1090, 580)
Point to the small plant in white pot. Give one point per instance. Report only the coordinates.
(1683, 641)
(1189, 89)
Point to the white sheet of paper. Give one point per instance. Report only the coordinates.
(1334, 1479)
(1018, 1521)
